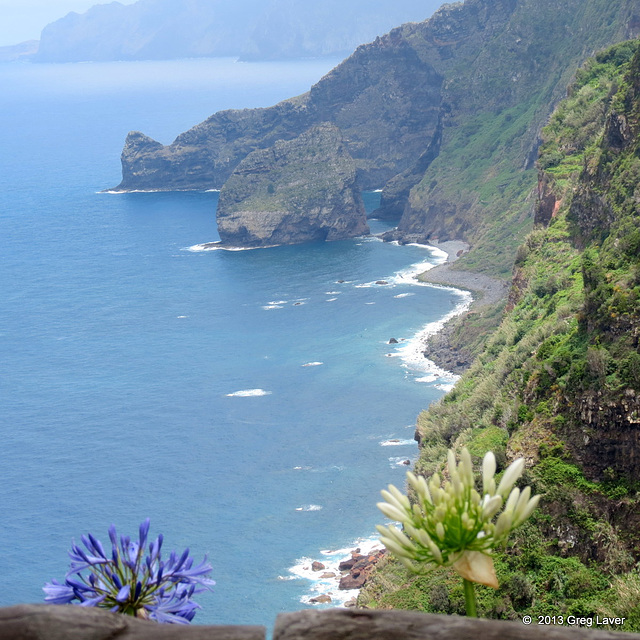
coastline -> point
(444, 348)
(336, 586)
(485, 289)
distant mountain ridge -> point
(250, 29)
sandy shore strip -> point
(486, 290)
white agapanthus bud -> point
(451, 524)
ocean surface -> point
(248, 402)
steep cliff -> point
(385, 101)
(300, 190)
(559, 381)
(446, 113)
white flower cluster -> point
(452, 524)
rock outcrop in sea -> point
(300, 190)
(445, 115)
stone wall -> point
(68, 622)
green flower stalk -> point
(451, 524)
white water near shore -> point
(326, 581)
(411, 352)
(132, 360)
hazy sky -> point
(24, 19)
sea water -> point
(248, 402)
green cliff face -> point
(445, 114)
(559, 381)
(299, 190)
(494, 103)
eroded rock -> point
(296, 191)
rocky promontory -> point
(300, 190)
(445, 115)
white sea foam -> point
(412, 351)
(396, 442)
(429, 378)
(400, 461)
(331, 299)
(332, 293)
(328, 585)
(312, 364)
(446, 387)
(404, 295)
(277, 302)
(272, 306)
(215, 246)
(310, 507)
(248, 393)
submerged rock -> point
(300, 190)
(321, 599)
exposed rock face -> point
(301, 190)
(384, 98)
(445, 113)
(360, 568)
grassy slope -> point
(485, 161)
(569, 336)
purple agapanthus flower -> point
(130, 582)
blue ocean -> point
(248, 402)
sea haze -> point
(247, 402)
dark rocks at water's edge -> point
(300, 190)
(439, 350)
(352, 573)
(359, 568)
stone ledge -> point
(70, 622)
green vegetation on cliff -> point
(480, 187)
(299, 190)
(559, 381)
(444, 114)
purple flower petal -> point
(57, 593)
(123, 594)
(165, 587)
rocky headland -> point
(300, 190)
(445, 114)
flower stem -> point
(470, 598)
